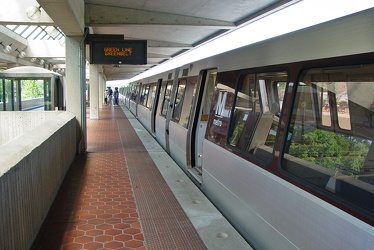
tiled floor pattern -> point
(98, 207)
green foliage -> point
(331, 150)
(31, 89)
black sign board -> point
(118, 52)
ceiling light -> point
(52, 31)
(33, 12)
(21, 54)
(6, 48)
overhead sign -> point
(118, 52)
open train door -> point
(201, 117)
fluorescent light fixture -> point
(6, 48)
(33, 12)
(21, 54)
(300, 15)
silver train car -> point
(277, 134)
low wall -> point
(16, 123)
(32, 168)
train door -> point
(17, 95)
(155, 95)
(47, 95)
(11, 95)
(161, 112)
(206, 88)
(2, 95)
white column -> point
(94, 92)
(76, 86)
(101, 90)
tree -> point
(32, 89)
(331, 150)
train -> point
(277, 134)
(47, 88)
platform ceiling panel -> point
(170, 27)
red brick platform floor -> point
(113, 197)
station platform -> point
(127, 193)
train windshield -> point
(331, 132)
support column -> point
(76, 87)
(94, 92)
(101, 89)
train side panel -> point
(276, 215)
(144, 116)
(264, 161)
(178, 142)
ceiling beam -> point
(14, 13)
(164, 44)
(97, 15)
(68, 15)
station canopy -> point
(32, 33)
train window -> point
(2, 95)
(255, 118)
(144, 95)
(339, 158)
(166, 99)
(178, 102)
(325, 107)
(134, 93)
(184, 100)
(342, 108)
(151, 96)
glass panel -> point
(8, 95)
(2, 96)
(28, 32)
(340, 158)
(179, 97)
(246, 107)
(184, 101)
(133, 93)
(16, 95)
(166, 100)
(256, 114)
(47, 95)
(20, 29)
(325, 107)
(344, 121)
(144, 95)
(152, 96)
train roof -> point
(27, 71)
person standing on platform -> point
(116, 95)
(106, 97)
(110, 95)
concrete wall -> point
(32, 167)
(16, 123)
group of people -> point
(111, 97)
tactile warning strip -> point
(165, 224)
